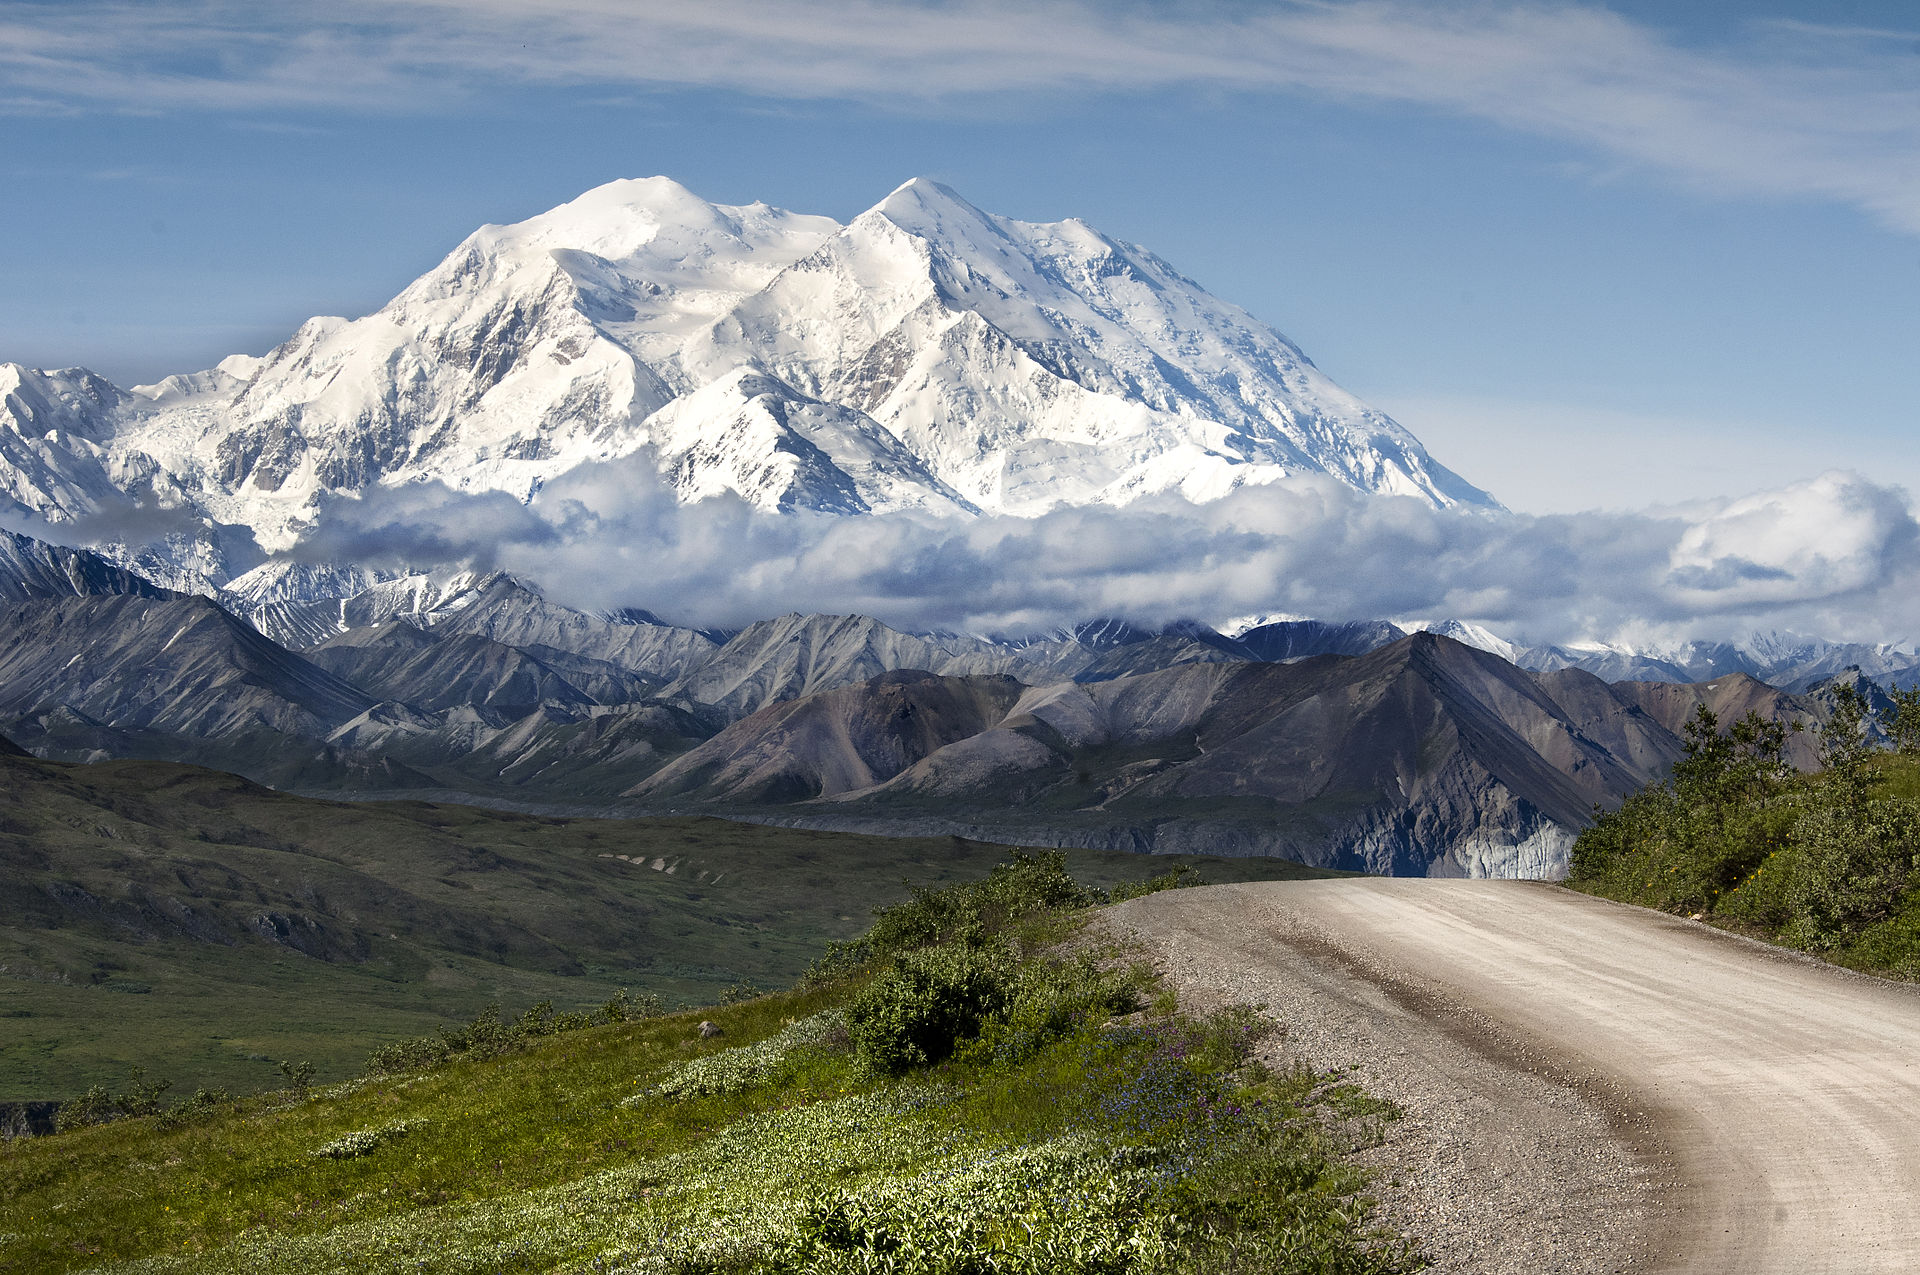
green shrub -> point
(203, 1103)
(1048, 1000)
(1818, 861)
(1178, 877)
(487, 1037)
(970, 912)
(1029, 885)
(1852, 865)
(1901, 720)
(926, 1003)
(622, 1008)
(1685, 844)
(100, 1105)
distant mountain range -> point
(926, 359)
(925, 356)
(1786, 660)
(1350, 745)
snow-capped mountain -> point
(32, 568)
(927, 355)
(1473, 635)
(1784, 660)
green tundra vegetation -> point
(1828, 862)
(979, 1083)
(208, 929)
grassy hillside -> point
(1828, 862)
(959, 1092)
(207, 929)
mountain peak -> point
(925, 191)
(614, 220)
(932, 210)
(656, 219)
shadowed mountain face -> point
(1301, 639)
(177, 664)
(430, 671)
(32, 568)
(1423, 757)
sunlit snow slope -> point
(927, 355)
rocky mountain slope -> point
(1423, 757)
(177, 664)
(431, 670)
(927, 355)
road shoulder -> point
(1504, 1163)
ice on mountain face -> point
(927, 356)
(520, 356)
(754, 435)
(1036, 365)
(54, 427)
(285, 580)
(219, 382)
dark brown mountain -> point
(837, 741)
(1425, 756)
(1730, 698)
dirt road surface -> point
(1589, 1086)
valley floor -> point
(1590, 1086)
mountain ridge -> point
(1353, 745)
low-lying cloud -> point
(1836, 556)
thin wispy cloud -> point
(1830, 113)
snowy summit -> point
(927, 355)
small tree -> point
(1844, 748)
(1901, 720)
(1741, 766)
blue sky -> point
(1593, 256)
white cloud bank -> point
(1837, 556)
(1787, 109)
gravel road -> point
(1589, 1087)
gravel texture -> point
(1502, 1163)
